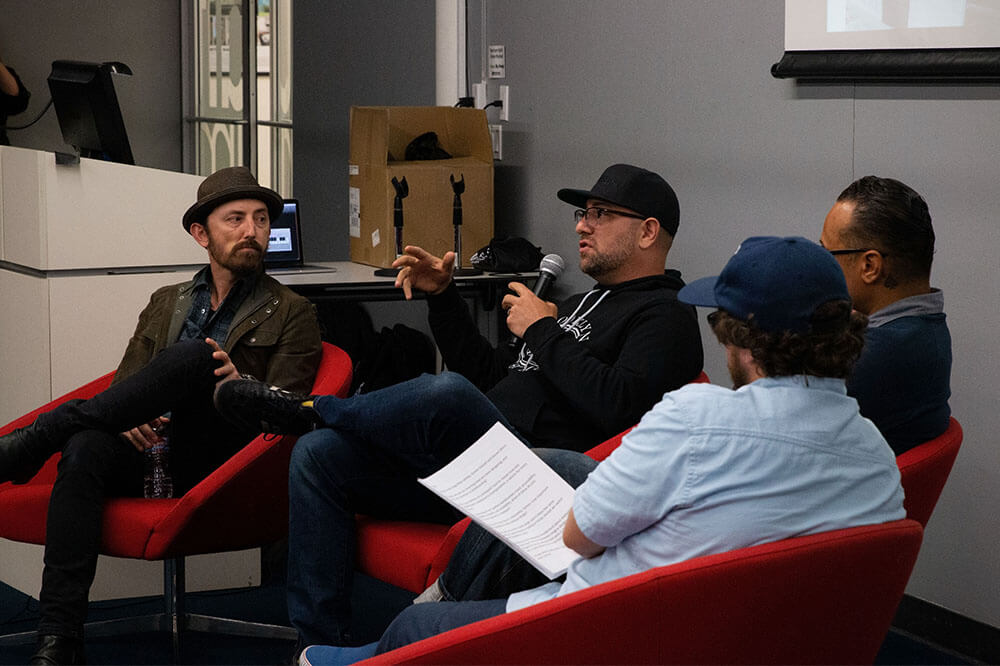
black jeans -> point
(97, 463)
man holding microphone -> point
(589, 367)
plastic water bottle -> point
(157, 481)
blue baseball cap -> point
(778, 282)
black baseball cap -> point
(634, 188)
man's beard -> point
(237, 262)
(599, 264)
(738, 374)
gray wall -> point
(679, 86)
(683, 87)
(143, 35)
(371, 53)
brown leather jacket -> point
(274, 335)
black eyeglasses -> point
(595, 215)
(857, 250)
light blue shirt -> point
(710, 469)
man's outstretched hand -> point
(421, 270)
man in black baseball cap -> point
(582, 370)
(626, 223)
(634, 188)
(229, 318)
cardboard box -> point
(379, 136)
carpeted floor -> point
(377, 604)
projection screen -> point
(891, 39)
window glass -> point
(236, 123)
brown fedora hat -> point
(230, 184)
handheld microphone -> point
(549, 270)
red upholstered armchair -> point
(242, 504)
(820, 599)
(412, 555)
(924, 470)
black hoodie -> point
(575, 382)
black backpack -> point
(380, 359)
(394, 355)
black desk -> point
(349, 281)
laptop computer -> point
(284, 249)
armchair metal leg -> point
(174, 619)
(178, 620)
(245, 628)
(173, 599)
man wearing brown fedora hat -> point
(229, 319)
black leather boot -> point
(254, 406)
(22, 454)
(24, 451)
(58, 650)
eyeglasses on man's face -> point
(857, 250)
(596, 215)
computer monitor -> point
(284, 248)
(87, 107)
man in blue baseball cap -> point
(708, 469)
(777, 289)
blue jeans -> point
(367, 460)
(424, 620)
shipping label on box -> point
(380, 135)
(354, 212)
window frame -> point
(247, 148)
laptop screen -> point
(285, 245)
